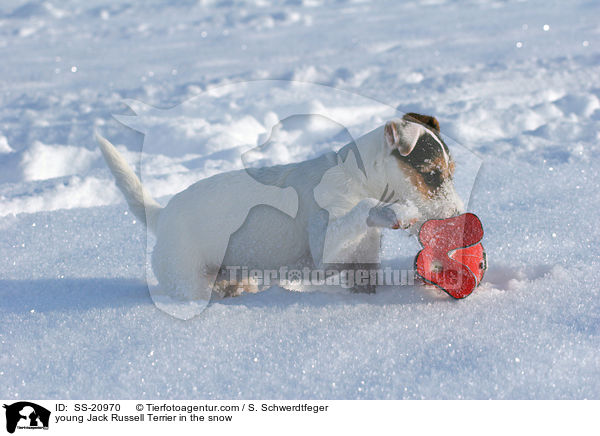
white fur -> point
(214, 222)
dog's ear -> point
(402, 135)
(425, 119)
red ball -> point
(453, 257)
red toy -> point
(452, 258)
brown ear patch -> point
(423, 119)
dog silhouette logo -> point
(26, 415)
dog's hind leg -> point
(235, 288)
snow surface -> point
(515, 82)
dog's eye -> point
(433, 178)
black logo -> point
(26, 415)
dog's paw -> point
(393, 216)
(407, 215)
(229, 288)
(382, 216)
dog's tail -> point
(141, 203)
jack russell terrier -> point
(324, 212)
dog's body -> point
(325, 211)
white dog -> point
(326, 211)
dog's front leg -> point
(352, 241)
(343, 237)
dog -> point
(324, 212)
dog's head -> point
(414, 151)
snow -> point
(76, 317)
